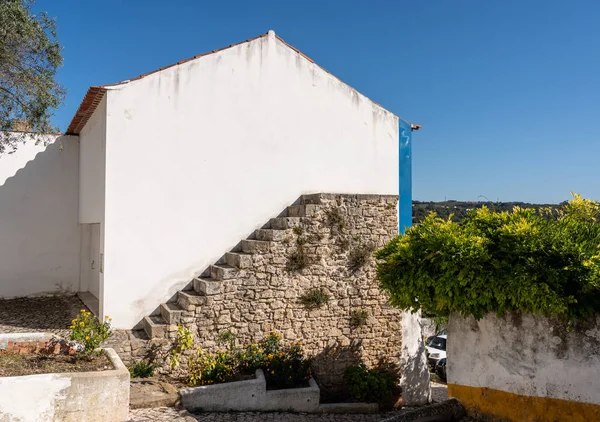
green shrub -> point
(208, 368)
(141, 369)
(89, 330)
(183, 342)
(284, 367)
(251, 358)
(358, 317)
(368, 385)
(287, 368)
(540, 261)
(314, 298)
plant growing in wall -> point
(183, 342)
(314, 298)
(543, 261)
(300, 257)
(359, 255)
(358, 318)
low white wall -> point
(39, 234)
(201, 154)
(251, 395)
(526, 355)
(67, 397)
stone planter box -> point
(67, 397)
(251, 395)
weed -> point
(358, 318)
(141, 369)
(184, 342)
(315, 298)
(360, 255)
(298, 259)
(227, 338)
(335, 220)
(298, 230)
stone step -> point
(271, 235)
(304, 210)
(314, 198)
(223, 272)
(255, 246)
(190, 299)
(171, 313)
(207, 286)
(238, 259)
(282, 223)
(156, 327)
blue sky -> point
(508, 92)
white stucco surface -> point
(39, 234)
(526, 355)
(92, 143)
(201, 154)
(99, 396)
(414, 380)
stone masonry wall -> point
(330, 248)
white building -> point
(158, 176)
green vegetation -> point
(141, 369)
(359, 255)
(544, 261)
(314, 298)
(458, 210)
(283, 366)
(358, 318)
(29, 57)
(89, 330)
(368, 385)
(183, 342)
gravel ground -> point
(34, 314)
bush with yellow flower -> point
(283, 366)
(89, 330)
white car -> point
(436, 348)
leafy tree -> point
(29, 57)
(544, 261)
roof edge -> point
(95, 94)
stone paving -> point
(34, 314)
(439, 393)
(163, 414)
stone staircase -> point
(232, 265)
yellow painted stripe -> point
(518, 408)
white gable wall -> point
(201, 154)
(39, 234)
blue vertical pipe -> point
(405, 177)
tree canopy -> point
(30, 54)
(544, 261)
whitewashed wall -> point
(526, 355)
(201, 154)
(39, 234)
(92, 141)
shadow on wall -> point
(39, 232)
(334, 360)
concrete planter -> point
(66, 397)
(251, 395)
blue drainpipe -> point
(405, 176)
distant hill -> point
(459, 208)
